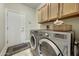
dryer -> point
(54, 43)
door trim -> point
(6, 10)
(3, 52)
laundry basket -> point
(62, 28)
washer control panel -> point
(43, 34)
(61, 36)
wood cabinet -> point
(44, 12)
(39, 15)
(47, 12)
(53, 10)
(69, 9)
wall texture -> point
(73, 21)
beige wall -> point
(2, 26)
(30, 16)
(73, 21)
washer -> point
(35, 36)
(52, 43)
(34, 42)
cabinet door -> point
(39, 15)
(53, 10)
(69, 8)
(44, 12)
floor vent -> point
(17, 48)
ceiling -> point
(32, 5)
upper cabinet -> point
(44, 13)
(53, 10)
(48, 12)
(39, 15)
(69, 9)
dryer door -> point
(33, 41)
(48, 48)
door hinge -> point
(7, 41)
(7, 28)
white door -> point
(15, 28)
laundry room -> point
(66, 18)
(39, 29)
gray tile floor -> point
(26, 52)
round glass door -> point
(33, 42)
(48, 48)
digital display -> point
(61, 36)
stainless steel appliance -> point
(34, 42)
(53, 43)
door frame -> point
(3, 52)
(6, 23)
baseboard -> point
(3, 51)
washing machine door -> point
(33, 42)
(48, 48)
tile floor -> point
(26, 52)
